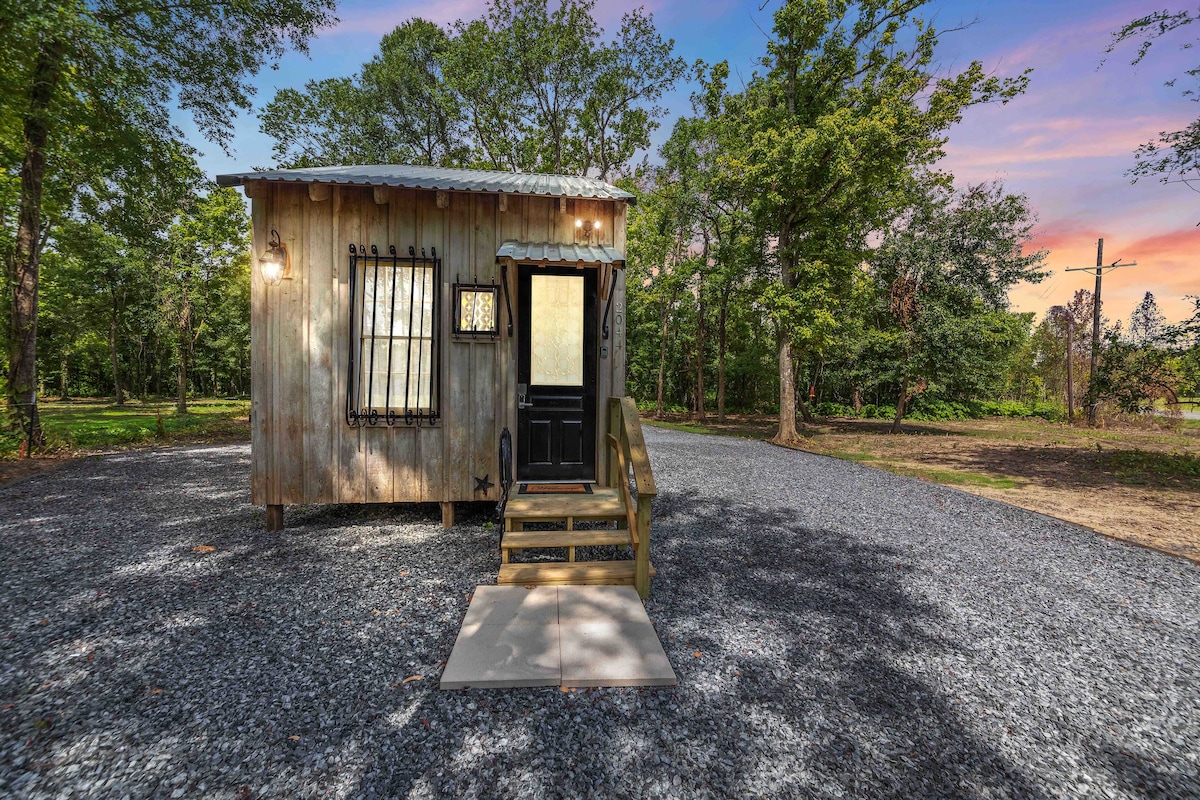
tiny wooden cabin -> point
(404, 318)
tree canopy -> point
(525, 88)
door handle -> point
(521, 402)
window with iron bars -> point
(395, 350)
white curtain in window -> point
(403, 328)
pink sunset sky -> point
(1066, 144)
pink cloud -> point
(1035, 141)
(1167, 266)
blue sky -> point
(1066, 144)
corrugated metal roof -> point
(566, 253)
(462, 180)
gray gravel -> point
(837, 631)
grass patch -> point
(692, 428)
(1140, 466)
(847, 455)
(98, 425)
(950, 477)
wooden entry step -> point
(600, 505)
(557, 573)
(521, 540)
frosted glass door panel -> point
(556, 330)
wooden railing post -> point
(641, 566)
(616, 428)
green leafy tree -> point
(1134, 377)
(1146, 322)
(525, 88)
(205, 246)
(399, 109)
(108, 72)
(848, 108)
(945, 275)
(1175, 155)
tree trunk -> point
(856, 399)
(116, 372)
(181, 382)
(787, 374)
(185, 341)
(900, 405)
(662, 362)
(805, 412)
(23, 269)
(787, 394)
(700, 364)
(721, 347)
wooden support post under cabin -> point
(274, 519)
(447, 515)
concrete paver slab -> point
(556, 636)
(497, 605)
(611, 653)
(600, 603)
(504, 655)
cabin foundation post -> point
(447, 515)
(274, 519)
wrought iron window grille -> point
(412, 326)
(476, 309)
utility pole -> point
(1099, 268)
(1070, 367)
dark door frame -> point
(556, 410)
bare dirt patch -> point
(1139, 482)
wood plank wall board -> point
(259, 336)
(617, 323)
(291, 356)
(352, 478)
(511, 226)
(458, 353)
(432, 232)
(406, 483)
(318, 395)
(485, 436)
(377, 439)
(337, 343)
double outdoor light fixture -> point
(587, 226)
(274, 265)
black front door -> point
(556, 374)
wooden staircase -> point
(624, 519)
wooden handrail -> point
(630, 517)
(625, 439)
(638, 456)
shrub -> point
(834, 410)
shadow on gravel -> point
(823, 660)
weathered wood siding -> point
(302, 449)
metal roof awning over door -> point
(551, 253)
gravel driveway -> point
(838, 631)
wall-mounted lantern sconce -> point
(275, 264)
(587, 228)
